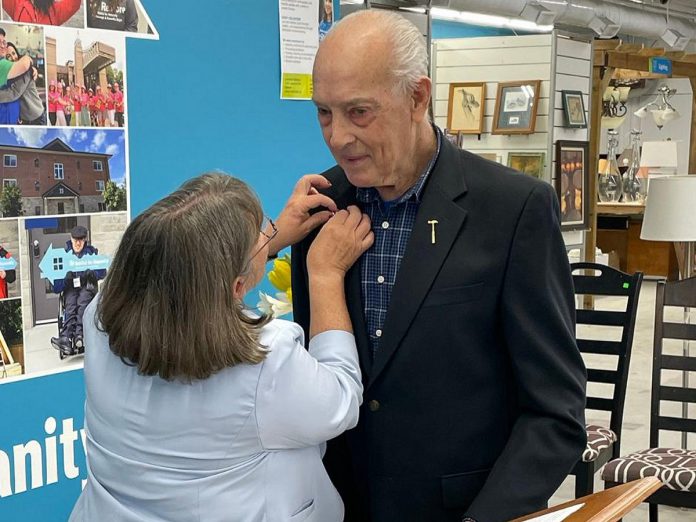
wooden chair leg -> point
(584, 482)
(652, 512)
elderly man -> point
(79, 289)
(463, 308)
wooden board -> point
(608, 505)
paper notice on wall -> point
(299, 40)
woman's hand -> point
(339, 244)
(295, 220)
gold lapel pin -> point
(432, 224)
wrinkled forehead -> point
(352, 76)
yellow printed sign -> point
(296, 86)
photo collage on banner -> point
(63, 170)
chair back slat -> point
(608, 281)
(677, 424)
(678, 362)
(677, 394)
(599, 347)
(602, 376)
(600, 403)
(681, 294)
(678, 331)
(601, 317)
(603, 281)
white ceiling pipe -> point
(506, 8)
(634, 21)
(605, 19)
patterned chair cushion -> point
(676, 468)
(598, 438)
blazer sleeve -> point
(538, 322)
(305, 397)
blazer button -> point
(373, 405)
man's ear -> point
(238, 288)
(420, 99)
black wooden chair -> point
(675, 467)
(603, 442)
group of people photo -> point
(79, 106)
(116, 15)
(433, 344)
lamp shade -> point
(659, 154)
(669, 210)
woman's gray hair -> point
(409, 58)
(168, 301)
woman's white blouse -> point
(243, 445)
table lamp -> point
(660, 157)
(669, 214)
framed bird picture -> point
(466, 107)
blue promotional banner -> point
(56, 263)
(66, 175)
(42, 458)
(181, 118)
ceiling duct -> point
(605, 19)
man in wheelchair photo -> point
(77, 290)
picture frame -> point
(529, 163)
(574, 109)
(572, 183)
(491, 156)
(466, 107)
(455, 138)
(516, 107)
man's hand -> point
(295, 220)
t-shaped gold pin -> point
(432, 224)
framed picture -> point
(530, 163)
(491, 156)
(465, 107)
(574, 109)
(516, 107)
(572, 182)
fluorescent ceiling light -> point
(470, 18)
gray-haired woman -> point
(197, 409)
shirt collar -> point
(370, 194)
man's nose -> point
(341, 133)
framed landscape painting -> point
(530, 163)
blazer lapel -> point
(344, 194)
(423, 258)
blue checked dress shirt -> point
(392, 223)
